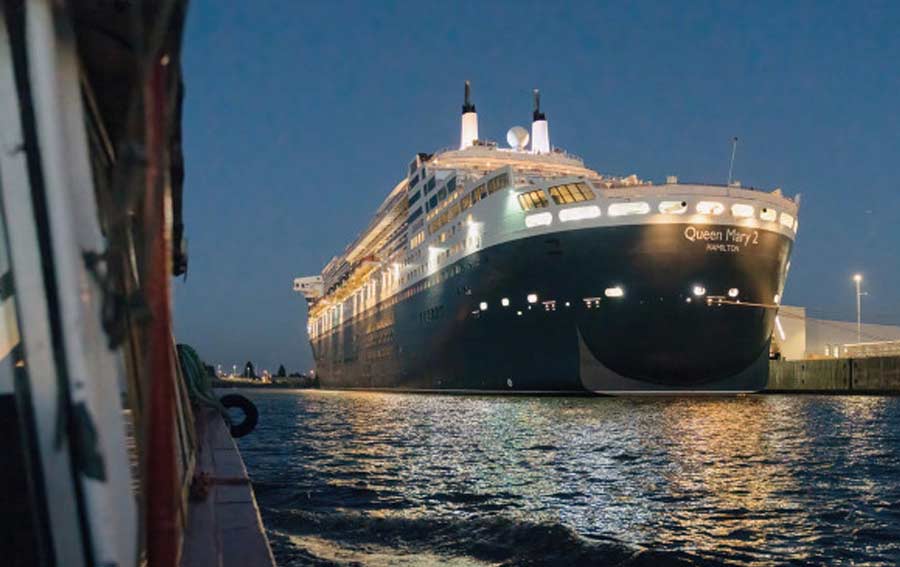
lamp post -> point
(858, 279)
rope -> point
(198, 381)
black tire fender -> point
(251, 414)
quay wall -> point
(868, 375)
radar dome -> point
(517, 137)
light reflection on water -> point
(750, 479)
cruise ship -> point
(520, 270)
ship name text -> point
(728, 240)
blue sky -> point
(300, 117)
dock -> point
(864, 375)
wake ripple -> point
(495, 540)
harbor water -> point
(346, 478)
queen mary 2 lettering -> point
(520, 270)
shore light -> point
(857, 278)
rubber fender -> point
(251, 414)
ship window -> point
(466, 201)
(579, 213)
(767, 214)
(413, 181)
(571, 193)
(451, 184)
(742, 210)
(533, 200)
(538, 219)
(633, 208)
(432, 202)
(480, 192)
(498, 183)
(673, 207)
(415, 214)
(442, 193)
(414, 198)
(430, 185)
(787, 220)
(710, 208)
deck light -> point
(614, 292)
(733, 292)
(504, 302)
(699, 290)
(483, 305)
(532, 298)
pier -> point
(864, 375)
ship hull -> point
(659, 337)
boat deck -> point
(223, 525)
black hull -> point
(659, 337)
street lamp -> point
(858, 279)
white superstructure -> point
(457, 202)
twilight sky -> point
(301, 116)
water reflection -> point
(753, 479)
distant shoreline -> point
(281, 384)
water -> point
(395, 479)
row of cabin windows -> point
(533, 200)
(561, 194)
(321, 325)
(445, 191)
(444, 218)
(414, 215)
(431, 314)
(414, 198)
(571, 193)
(441, 206)
(485, 189)
(469, 199)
